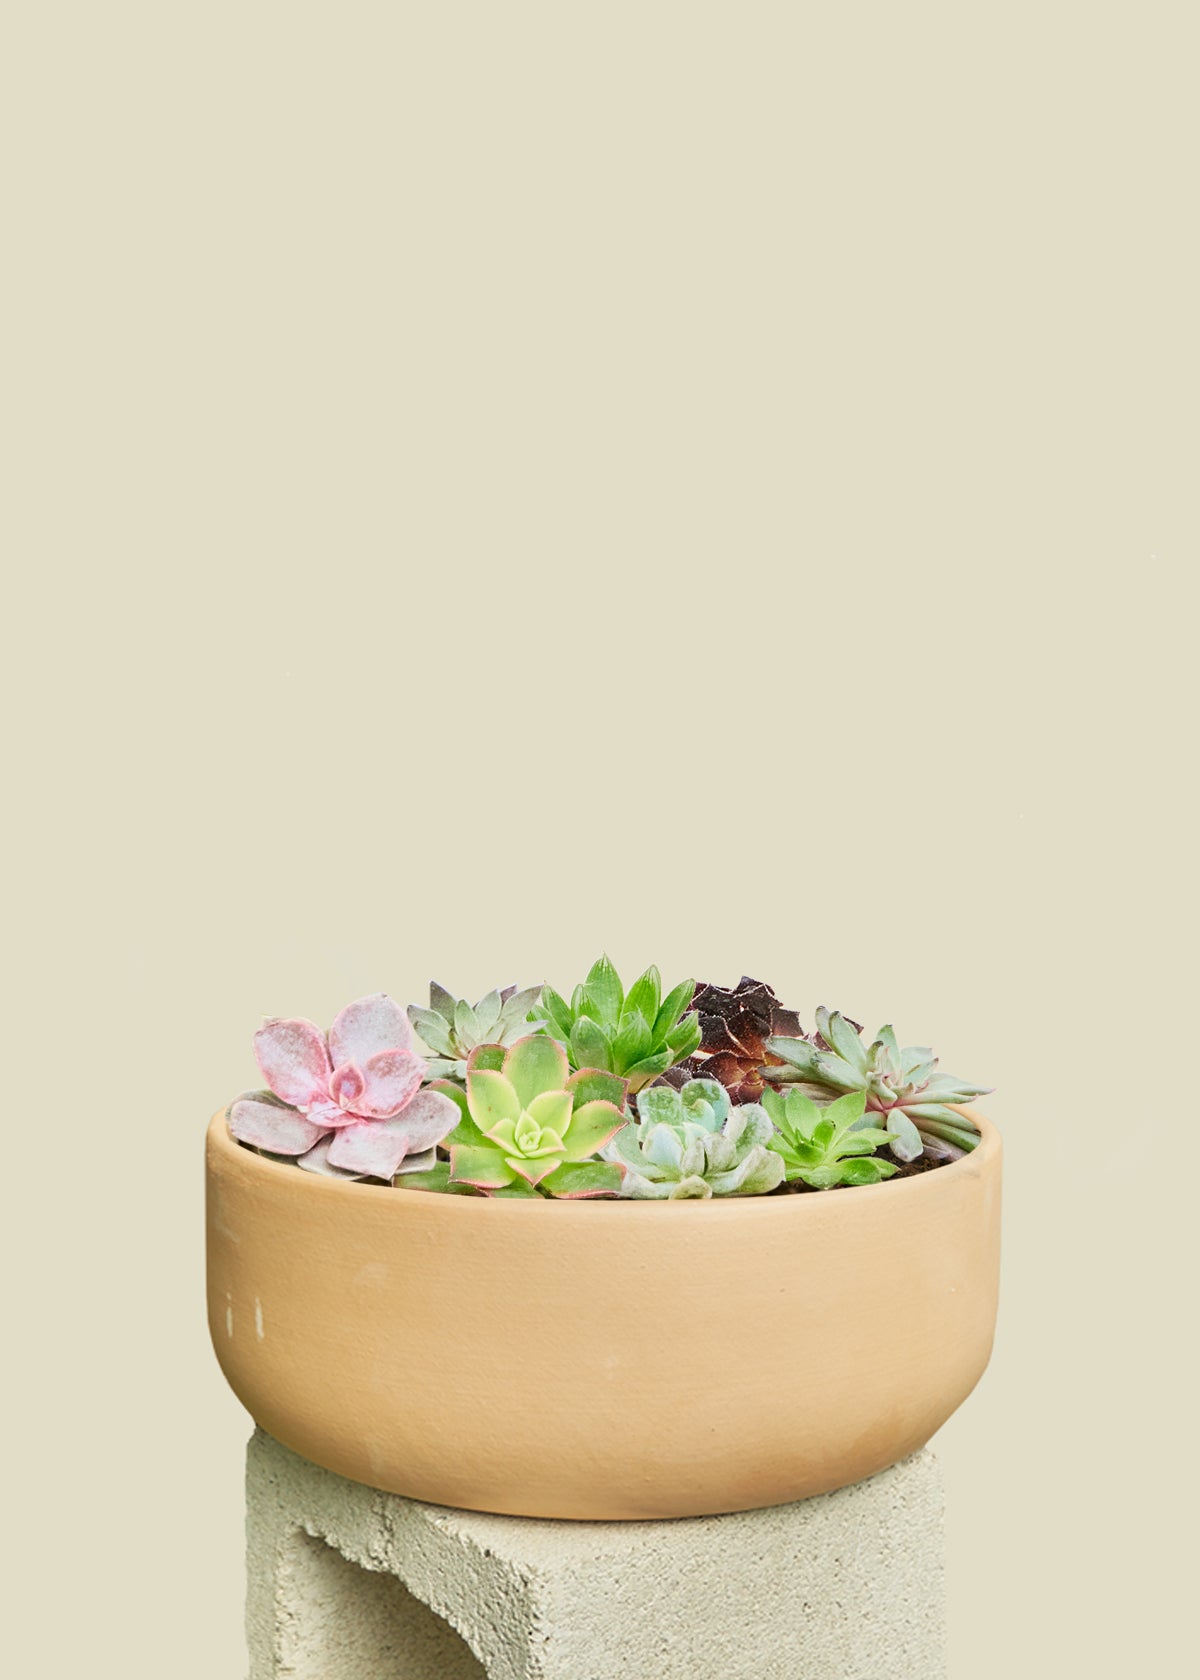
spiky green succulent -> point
(637, 1034)
(691, 1142)
(826, 1147)
(901, 1087)
(530, 1127)
(452, 1028)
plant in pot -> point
(496, 1222)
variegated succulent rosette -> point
(641, 1095)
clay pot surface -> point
(601, 1360)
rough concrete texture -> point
(347, 1583)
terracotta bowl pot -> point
(601, 1359)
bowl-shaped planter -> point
(601, 1359)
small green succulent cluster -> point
(902, 1086)
(692, 1143)
(826, 1147)
(453, 1028)
(637, 1034)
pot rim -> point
(221, 1143)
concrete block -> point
(347, 1583)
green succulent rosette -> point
(531, 1127)
(637, 1034)
(826, 1147)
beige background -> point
(489, 482)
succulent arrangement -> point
(706, 1091)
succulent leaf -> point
(271, 1126)
(846, 1042)
(589, 1046)
(489, 1056)
(366, 1027)
(801, 1114)
(756, 1174)
(887, 1037)
(533, 1168)
(650, 1067)
(483, 1167)
(552, 1109)
(486, 1013)
(684, 1037)
(557, 1011)
(436, 1177)
(605, 991)
(466, 1023)
(378, 1147)
(491, 1098)
(574, 1180)
(867, 1169)
(633, 1039)
(705, 1101)
(591, 1126)
(593, 1084)
(796, 1053)
(837, 1073)
(432, 1029)
(535, 1064)
(672, 1007)
(907, 1142)
(513, 1018)
(316, 1160)
(645, 995)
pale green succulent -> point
(901, 1088)
(691, 1142)
(530, 1127)
(826, 1147)
(452, 1028)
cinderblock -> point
(347, 1583)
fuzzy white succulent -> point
(691, 1142)
(451, 1027)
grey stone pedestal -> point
(346, 1583)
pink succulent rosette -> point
(354, 1103)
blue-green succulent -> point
(692, 1142)
(901, 1087)
(453, 1028)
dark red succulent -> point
(736, 1023)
